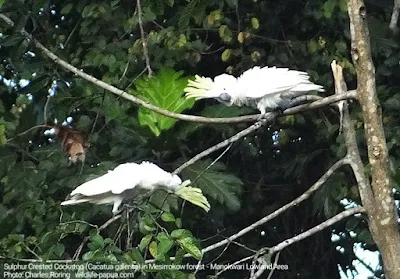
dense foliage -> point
(256, 176)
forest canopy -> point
(88, 85)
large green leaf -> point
(216, 182)
(164, 90)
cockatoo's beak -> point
(199, 88)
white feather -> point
(265, 88)
(125, 181)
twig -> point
(274, 266)
(32, 252)
(24, 152)
(226, 142)
(79, 222)
(102, 227)
(213, 162)
(45, 108)
(144, 41)
(27, 131)
(185, 117)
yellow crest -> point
(198, 88)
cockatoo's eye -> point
(225, 97)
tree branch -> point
(320, 227)
(185, 117)
(226, 142)
(395, 16)
(282, 245)
(384, 218)
(276, 213)
(353, 153)
(144, 40)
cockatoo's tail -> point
(136, 181)
(198, 88)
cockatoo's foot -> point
(262, 116)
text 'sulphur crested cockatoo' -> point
(267, 88)
(133, 180)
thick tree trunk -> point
(383, 217)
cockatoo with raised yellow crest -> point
(131, 180)
(264, 88)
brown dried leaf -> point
(72, 141)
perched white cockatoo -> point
(266, 88)
(131, 180)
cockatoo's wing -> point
(122, 178)
(126, 177)
(259, 82)
(153, 175)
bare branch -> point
(395, 16)
(144, 40)
(274, 266)
(226, 142)
(234, 264)
(276, 213)
(320, 227)
(30, 129)
(248, 118)
(351, 143)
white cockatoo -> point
(266, 88)
(131, 180)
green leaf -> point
(216, 182)
(153, 249)
(168, 217)
(145, 242)
(3, 212)
(58, 249)
(84, 123)
(254, 23)
(178, 222)
(97, 240)
(164, 90)
(329, 6)
(3, 139)
(225, 33)
(189, 245)
(67, 8)
(137, 256)
(226, 54)
(181, 233)
(189, 11)
(164, 245)
(170, 2)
